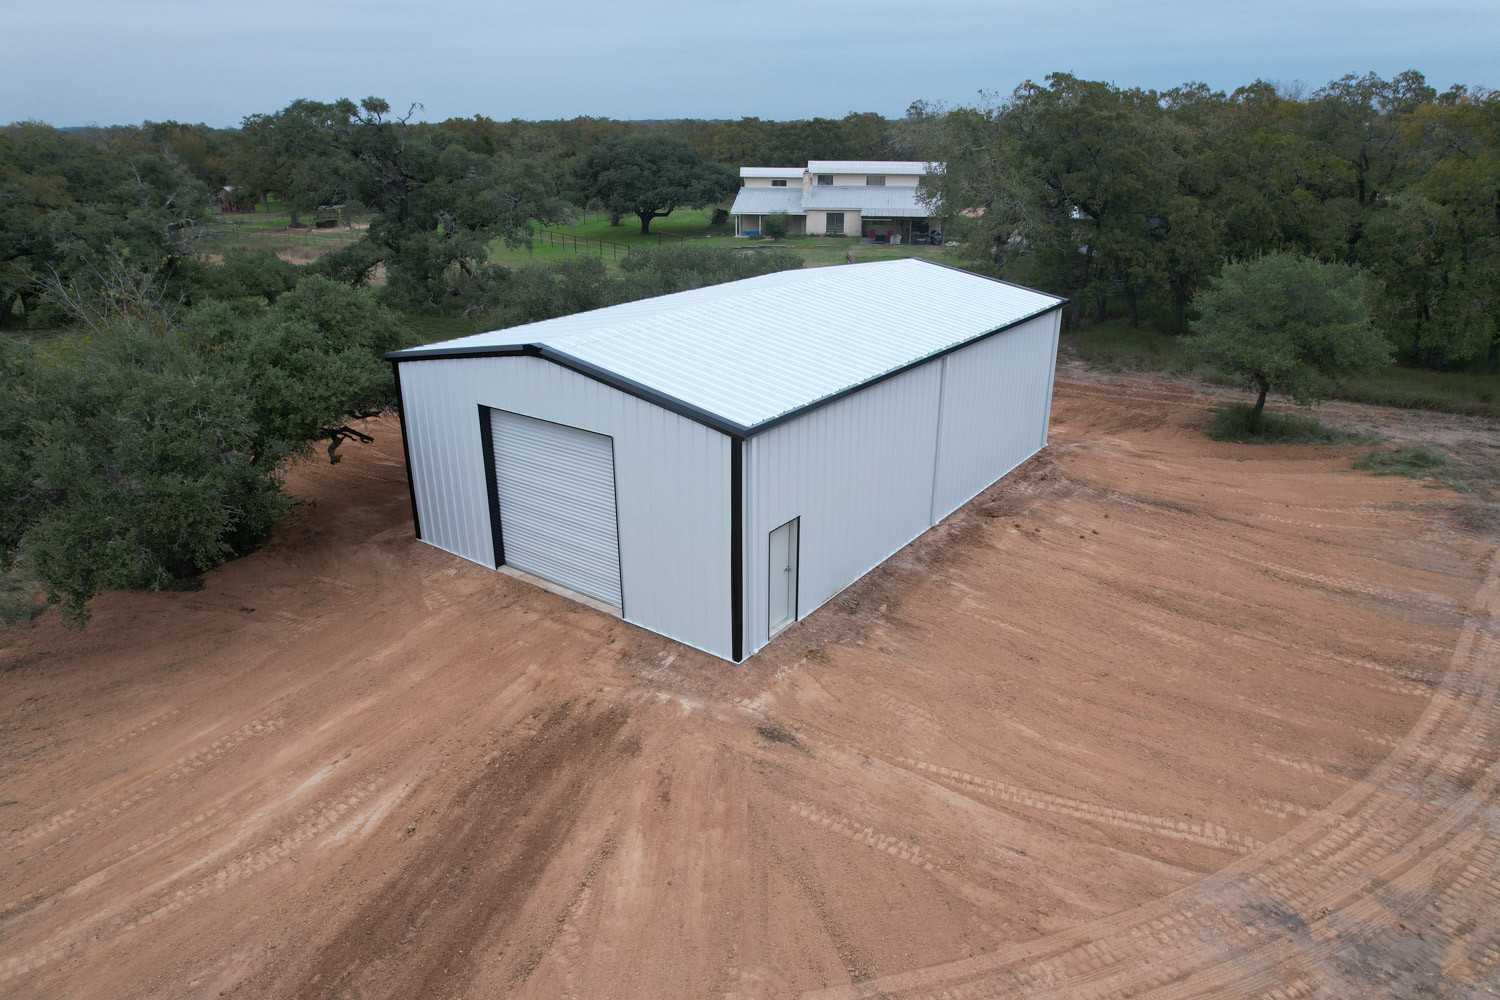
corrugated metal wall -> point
(871, 472)
(996, 400)
(858, 472)
(672, 480)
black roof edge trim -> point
(987, 277)
(650, 395)
(477, 351)
(697, 413)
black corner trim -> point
(411, 490)
(737, 548)
(491, 483)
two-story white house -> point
(876, 200)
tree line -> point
(1140, 197)
(148, 416)
(153, 396)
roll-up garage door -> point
(556, 487)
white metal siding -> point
(858, 472)
(872, 471)
(556, 491)
(671, 474)
(996, 401)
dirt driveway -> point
(1154, 716)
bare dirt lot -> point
(1153, 716)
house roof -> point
(746, 355)
(765, 200)
(888, 201)
(873, 167)
(771, 172)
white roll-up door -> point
(556, 488)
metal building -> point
(715, 464)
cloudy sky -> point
(74, 62)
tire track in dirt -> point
(167, 900)
(856, 830)
(136, 733)
(475, 872)
(1410, 845)
(1204, 832)
(122, 801)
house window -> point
(779, 183)
(825, 180)
(875, 180)
(835, 225)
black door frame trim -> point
(492, 488)
(411, 490)
(491, 482)
(796, 579)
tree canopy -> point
(437, 203)
(1104, 193)
(650, 176)
(1288, 324)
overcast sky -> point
(75, 62)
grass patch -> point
(1233, 423)
(1414, 463)
(1476, 393)
(1115, 345)
(426, 328)
(21, 602)
(692, 225)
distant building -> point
(224, 200)
(877, 200)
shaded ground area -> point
(1153, 716)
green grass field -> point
(267, 230)
(690, 225)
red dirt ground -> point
(1153, 716)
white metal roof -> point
(747, 352)
(872, 167)
(892, 201)
(765, 200)
(771, 171)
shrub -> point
(313, 358)
(1414, 463)
(720, 217)
(535, 292)
(257, 274)
(1238, 423)
(676, 269)
(776, 225)
(136, 466)
(139, 457)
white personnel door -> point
(556, 492)
(783, 576)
